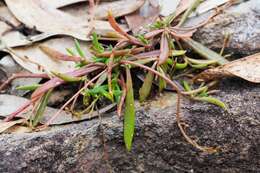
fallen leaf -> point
(61, 3)
(16, 39)
(168, 6)
(146, 15)
(247, 68)
(6, 125)
(119, 8)
(183, 5)
(64, 3)
(10, 103)
(207, 6)
(7, 17)
(18, 129)
(36, 57)
(42, 17)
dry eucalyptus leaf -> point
(6, 125)
(15, 39)
(6, 15)
(44, 18)
(34, 60)
(247, 68)
(61, 3)
(208, 5)
(10, 103)
(168, 6)
(18, 129)
(64, 3)
(146, 15)
(118, 8)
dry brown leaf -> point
(61, 3)
(119, 8)
(183, 5)
(247, 68)
(208, 5)
(18, 129)
(16, 39)
(146, 15)
(168, 6)
(10, 103)
(64, 3)
(44, 18)
(6, 125)
(6, 15)
(37, 61)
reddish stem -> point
(122, 99)
(22, 75)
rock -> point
(158, 144)
(242, 21)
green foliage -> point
(129, 116)
(142, 39)
(40, 108)
(96, 46)
(28, 87)
(79, 50)
(146, 87)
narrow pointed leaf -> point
(212, 100)
(56, 55)
(79, 50)
(146, 87)
(129, 117)
(205, 52)
(28, 87)
(164, 49)
(68, 78)
(41, 108)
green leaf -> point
(41, 108)
(186, 86)
(162, 82)
(178, 52)
(142, 39)
(212, 100)
(146, 87)
(68, 78)
(79, 50)
(70, 51)
(192, 7)
(205, 52)
(129, 116)
(28, 87)
(96, 46)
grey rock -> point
(242, 21)
(94, 146)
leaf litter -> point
(104, 72)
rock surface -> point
(158, 144)
(242, 22)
